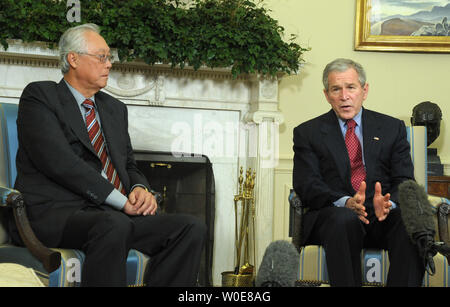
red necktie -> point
(98, 142)
(355, 155)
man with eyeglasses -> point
(77, 173)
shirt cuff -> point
(341, 201)
(394, 205)
(116, 200)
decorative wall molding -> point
(259, 116)
(38, 54)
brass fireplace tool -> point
(243, 272)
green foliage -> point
(31, 20)
(214, 33)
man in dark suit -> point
(77, 173)
(348, 164)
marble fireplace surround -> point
(232, 121)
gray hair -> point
(341, 65)
(73, 40)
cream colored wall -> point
(398, 81)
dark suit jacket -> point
(58, 170)
(322, 168)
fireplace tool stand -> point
(243, 274)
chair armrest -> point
(296, 219)
(441, 207)
(443, 229)
(442, 217)
(51, 260)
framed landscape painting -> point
(403, 25)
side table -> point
(439, 186)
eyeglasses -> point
(101, 57)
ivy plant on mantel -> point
(237, 34)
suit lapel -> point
(336, 144)
(372, 142)
(108, 124)
(114, 142)
(73, 115)
(107, 121)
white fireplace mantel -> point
(232, 121)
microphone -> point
(279, 266)
(417, 215)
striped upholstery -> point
(313, 267)
(375, 262)
(417, 138)
(69, 273)
(442, 276)
(71, 260)
(375, 267)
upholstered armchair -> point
(375, 262)
(55, 267)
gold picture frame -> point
(373, 33)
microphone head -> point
(416, 210)
(279, 266)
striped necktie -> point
(355, 154)
(99, 145)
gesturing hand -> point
(356, 203)
(381, 204)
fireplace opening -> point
(186, 183)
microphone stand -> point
(428, 248)
(425, 241)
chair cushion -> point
(442, 276)
(16, 275)
(69, 273)
(313, 268)
(20, 255)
